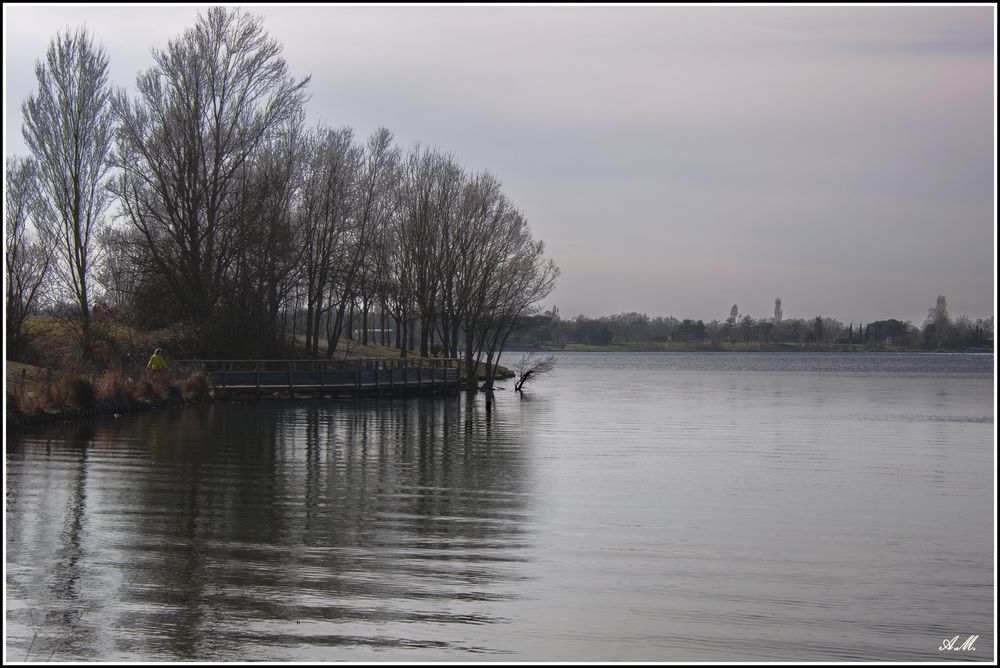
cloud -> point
(737, 151)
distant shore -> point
(679, 347)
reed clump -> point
(110, 392)
(115, 389)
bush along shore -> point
(44, 398)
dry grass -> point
(114, 388)
(197, 387)
(111, 391)
(58, 378)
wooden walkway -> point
(325, 377)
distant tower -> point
(777, 310)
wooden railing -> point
(328, 376)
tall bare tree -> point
(259, 284)
(68, 129)
(376, 172)
(326, 223)
(27, 254)
(500, 273)
(528, 277)
(202, 112)
(377, 178)
(420, 235)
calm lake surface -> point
(631, 507)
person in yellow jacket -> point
(156, 361)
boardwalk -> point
(324, 377)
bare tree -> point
(518, 278)
(421, 235)
(938, 326)
(483, 241)
(330, 174)
(68, 128)
(259, 284)
(27, 255)
(395, 284)
(374, 168)
(203, 111)
(528, 279)
(530, 368)
(121, 272)
(734, 314)
(377, 177)
(470, 268)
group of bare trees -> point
(204, 157)
(409, 241)
(206, 200)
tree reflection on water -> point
(274, 529)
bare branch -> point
(529, 368)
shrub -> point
(80, 391)
(114, 389)
(30, 399)
(159, 386)
(197, 387)
(147, 391)
(172, 392)
(13, 403)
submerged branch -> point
(530, 367)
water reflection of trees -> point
(45, 531)
(301, 527)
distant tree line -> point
(206, 203)
(938, 332)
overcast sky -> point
(675, 160)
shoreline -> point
(739, 348)
(55, 416)
(15, 419)
(173, 396)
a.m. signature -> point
(951, 644)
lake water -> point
(630, 507)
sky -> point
(675, 160)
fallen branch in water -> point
(531, 367)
